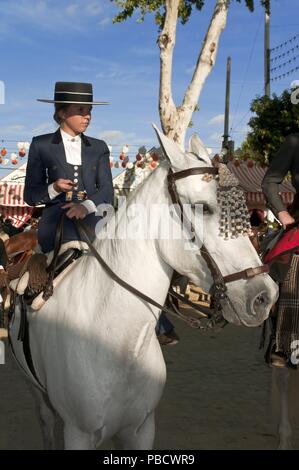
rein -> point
(193, 322)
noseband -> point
(219, 287)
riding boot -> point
(272, 321)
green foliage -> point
(275, 118)
(129, 7)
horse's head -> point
(245, 298)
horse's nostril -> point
(260, 302)
(260, 299)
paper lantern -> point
(14, 158)
(22, 152)
(124, 164)
(155, 157)
(3, 152)
(153, 165)
(130, 165)
(5, 161)
(122, 156)
(125, 149)
(139, 157)
(250, 163)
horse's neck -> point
(137, 261)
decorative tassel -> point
(234, 216)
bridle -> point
(219, 287)
(218, 290)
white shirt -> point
(72, 147)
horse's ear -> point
(172, 151)
(196, 146)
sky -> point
(44, 41)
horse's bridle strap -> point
(189, 172)
(247, 273)
(219, 287)
(171, 179)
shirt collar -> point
(69, 138)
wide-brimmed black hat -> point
(73, 93)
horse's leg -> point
(75, 439)
(282, 377)
(140, 438)
(47, 418)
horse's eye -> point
(206, 209)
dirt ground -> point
(217, 396)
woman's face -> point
(76, 117)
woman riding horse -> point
(70, 173)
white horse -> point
(93, 343)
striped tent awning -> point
(12, 194)
(12, 204)
(250, 176)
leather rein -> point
(219, 287)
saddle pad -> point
(289, 241)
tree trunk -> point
(175, 120)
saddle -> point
(34, 275)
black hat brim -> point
(74, 102)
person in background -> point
(286, 329)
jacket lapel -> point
(59, 153)
(86, 160)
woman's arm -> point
(281, 163)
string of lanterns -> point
(280, 58)
(143, 159)
(236, 162)
(14, 157)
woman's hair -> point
(59, 107)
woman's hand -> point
(63, 186)
(75, 210)
(285, 218)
